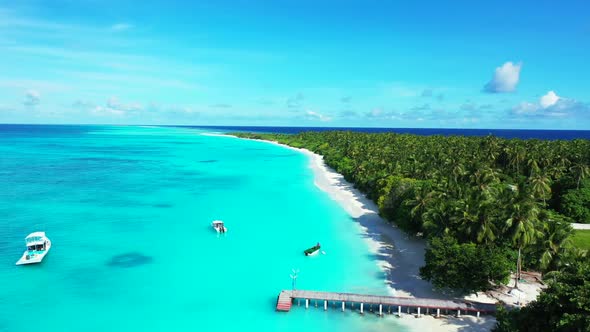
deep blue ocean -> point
(504, 133)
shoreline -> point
(399, 255)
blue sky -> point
(454, 64)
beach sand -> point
(400, 255)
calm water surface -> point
(129, 209)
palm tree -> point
(556, 240)
(492, 152)
(473, 215)
(534, 166)
(541, 186)
(436, 218)
(521, 226)
(581, 171)
(486, 230)
(518, 155)
(420, 203)
(484, 177)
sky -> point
(403, 64)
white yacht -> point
(219, 226)
(38, 246)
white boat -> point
(219, 226)
(38, 246)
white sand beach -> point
(401, 255)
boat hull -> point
(36, 257)
(312, 251)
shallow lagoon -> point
(129, 209)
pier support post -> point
(437, 313)
(399, 311)
(458, 312)
(362, 304)
(316, 303)
(408, 310)
(381, 310)
(427, 311)
(343, 304)
(325, 305)
(299, 302)
(306, 303)
(418, 311)
(478, 314)
(371, 308)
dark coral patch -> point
(163, 205)
(130, 259)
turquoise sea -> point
(129, 210)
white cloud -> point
(106, 111)
(505, 78)
(525, 108)
(549, 99)
(375, 113)
(114, 103)
(115, 107)
(121, 27)
(380, 114)
(317, 116)
(550, 106)
(32, 98)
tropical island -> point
(489, 208)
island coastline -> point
(399, 255)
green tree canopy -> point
(466, 267)
(575, 203)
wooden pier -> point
(284, 302)
(382, 304)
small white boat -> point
(38, 246)
(219, 226)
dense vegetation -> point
(563, 306)
(465, 266)
(511, 196)
(576, 203)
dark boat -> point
(313, 250)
